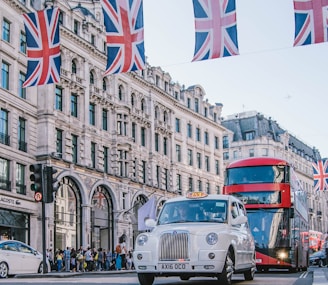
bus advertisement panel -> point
(276, 207)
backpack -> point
(118, 248)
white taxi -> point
(197, 235)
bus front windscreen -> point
(269, 227)
(257, 174)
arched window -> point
(133, 99)
(73, 66)
(156, 112)
(104, 84)
(120, 93)
(92, 78)
(143, 106)
(165, 118)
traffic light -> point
(37, 181)
(51, 184)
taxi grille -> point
(173, 246)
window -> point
(190, 162)
(74, 105)
(216, 142)
(74, 148)
(165, 117)
(133, 131)
(165, 146)
(217, 167)
(92, 78)
(205, 112)
(207, 163)
(4, 137)
(198, 134)
(74, 67)
(5, 183)
(133, 99)
(179, 184)
(22, 145)
(225, 155)
(76, 27)
(93, 39)
(188, 103)
(22, 42)
(104, 119)
(122, 124)
(20, 179)
(6, 30)
(190, 184)
(92, 114)
(105, 159)
(225, 142)
(207, 188)
(177, 125)
(265, 152)
(144, 171)
(104, 84)
(59, 142)
(178, 152)
(21, 90)
(200, 186)
(206, 138)
(166, 179)
(143, 106)
(59, 99)
(5, 75)
(249, 136)
(196, 105)
(199, 160)
(189, 130)
(143, 136)
(120, 93)
(156, 142)
(251, 152)
(93, 155)
(158, 176)
(235, 154)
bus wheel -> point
(146, 279)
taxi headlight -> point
(142, 240)
(212, 238)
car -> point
(17, 257)
(318, 258)
(210, 238)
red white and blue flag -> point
(123, 20)
(320, 175)
(43, 47)
(311, 18)
(215, 29)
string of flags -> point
(215, 24)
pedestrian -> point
(67, 257)
(59, 258)
(108, 259)
(73, 260)
(79, 260)
(326, 250)
(88, 259)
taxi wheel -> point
(226, 274)
(249, 274)
(3, 270)
(145, 279)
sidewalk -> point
(320, 276)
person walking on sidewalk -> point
(326, 249)
(67, 256)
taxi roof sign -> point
(195, 195)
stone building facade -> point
(253, 134)
(115, 141)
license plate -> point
(173, 266)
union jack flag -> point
(43, 47)
(311, 19)
(320, 175)
(124, 35)
(215, 29)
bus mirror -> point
(291, 213)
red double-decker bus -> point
(277, 210)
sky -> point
(288, 84)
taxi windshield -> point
(190, 211)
